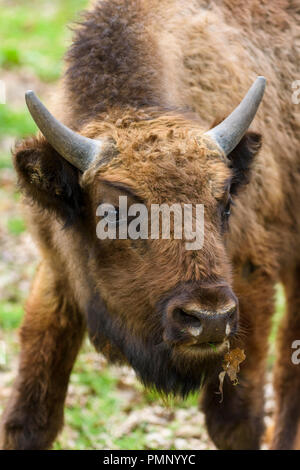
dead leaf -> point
(231, 367)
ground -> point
(106, 407)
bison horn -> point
(78, 150)
(229, 132)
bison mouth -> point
(212, 348)
(171, 370)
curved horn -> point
(78, 150)
(229, 132)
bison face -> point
(164, 307)
(160, 303)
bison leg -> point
(237, 422)
(50, 339)
(287, 372)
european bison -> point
(144, 83)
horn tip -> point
(262, 80)
(29, 96)
(29, 93)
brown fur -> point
(152, 77)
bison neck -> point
(115, 61)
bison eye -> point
(227, 209)
(112, 216)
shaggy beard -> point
(170, 371)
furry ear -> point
(48, 179)
(241, 159)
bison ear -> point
(241, 159)
(48, 179)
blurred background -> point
(106, 407)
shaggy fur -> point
(152, 76)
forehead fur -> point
(164, 157)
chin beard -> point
(169, 370)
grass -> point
(33, 33)
(36, 42)
(11, 314)
(16, 225)
(280, 308)
(5, 160)
(88, 419)
(16, 123)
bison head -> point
(166, 310)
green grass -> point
(152, 396)
(34, 33)
(16, 225)
(5, 161)
(10, 315)
(134, 441)
(15, 123)
(89, 419)
(88, 422)
(280, 308)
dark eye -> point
(227, 209)
(112, 216)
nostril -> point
(186, 317)
(231, 314)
